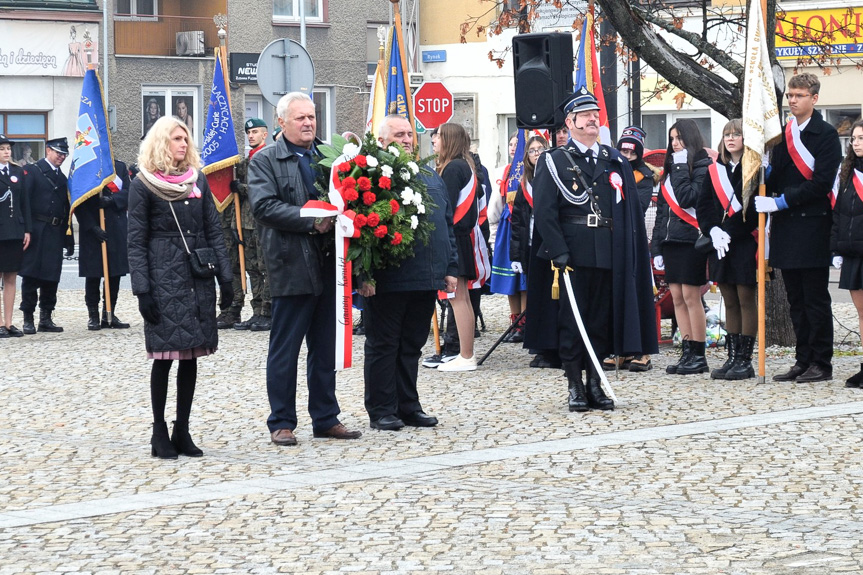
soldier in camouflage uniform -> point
(256, 131)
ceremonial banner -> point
(92, 161)
(398, 94)
(377, 100)
(762, 127)
(587, 74)
(219, 152)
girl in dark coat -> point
(846, 238)
(170, 201)
(674, 236)
(732, 264)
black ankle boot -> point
(696, 363)
(596, 397)
(732, 341)
(855, 380)
(93, 321)
(577, 397)
(742, 366)
(113, 322)
(684, 357)
(46, 324)
(183, 441)
(28, 327)
(160, 444)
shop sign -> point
(809, 31)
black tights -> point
(741, 311)
(187, 375)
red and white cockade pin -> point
(14, 179)
(617, 183)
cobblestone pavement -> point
(686, 476)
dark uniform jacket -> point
(14, 205)
(294, 252)
(116, 226)
(687, 184)
(622, 248)
(846, 237)
(159, 265)
(247, 219)
(800, 235)
(49, 210)
(519, 235)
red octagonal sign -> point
(432, 105)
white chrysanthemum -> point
(418, 200)
(380, 145)
(421, 209)
(414, 168)
(387, 171)
(394, 150)
(405, 175)
(414, 222)
(407, 196)
(351, 150)
(371, 161)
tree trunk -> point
(779, 330)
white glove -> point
(680, 157)
(721, 241)
(516, 267)
(837, 262)
(765, 205)
(765, 160)
(659, 263)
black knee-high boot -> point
(160, 443)
(187, 375)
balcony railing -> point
(136, 35)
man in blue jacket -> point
(399, 307)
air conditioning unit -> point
(190, 43)
(415, 80)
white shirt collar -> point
(804, 124)
(582, 148)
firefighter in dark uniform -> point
(114, 200)
(588, 214)
(43, 260)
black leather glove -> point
(227, 295)
(148, 308)
(235, 186)
(69, 244)
(561, 261)
(100, 234)
(106, 201)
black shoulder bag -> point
(202, 261)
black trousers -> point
(91, 291)
(811, 315)
(592, 287)
(46, 296)
(397, 327)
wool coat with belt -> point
(49, 210)
(14, 205)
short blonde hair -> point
(155, 152)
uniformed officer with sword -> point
(588, 214)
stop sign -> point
(432, 104)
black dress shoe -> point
(792, 374)
(420, 419)
(387, 423)
(816, 373)
(14, 331)
(543, 362)
(3, 331)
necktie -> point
(5, 171)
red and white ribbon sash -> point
(688, 214)
(527, 190)
(616, 182)
(466, 199)
(482, 204)
(115, 185)
(724, 189)
(345, 230)
(802, 158)
(482, 265)
(834, 191)
(858, 184)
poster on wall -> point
(153, 107)
(47, 48)
(178, 101)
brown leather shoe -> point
(792, 374)
(283, 437)
(338, 431)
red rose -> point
(360, 161)
(368, 198)
(349, 183)
(380, 231)
(364, 184)
(344, 167)
(360, 220)
(350, 195)
(385, 183)
(374, 219)
(394, 206)
(397, 239)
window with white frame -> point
(137, 9)
(289, 10)
(182, 102)
(656, 127)
(323, 97)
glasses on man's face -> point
(535, 152)
(732, 135)
(796, 96)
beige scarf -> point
(170, 192)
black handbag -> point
(704, 244)
(202, 261)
